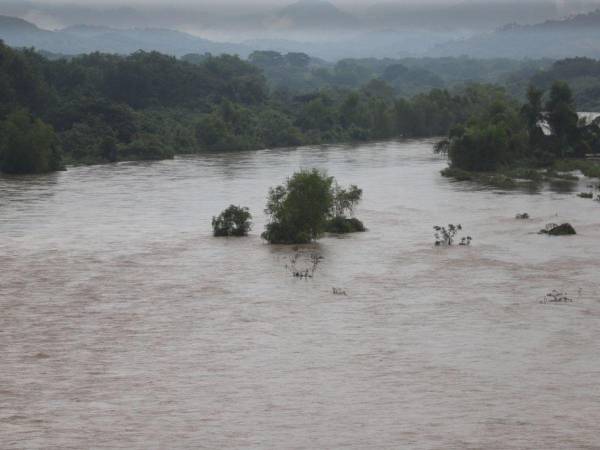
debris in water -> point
(556, 297)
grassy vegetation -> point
(511, 177)
(494, 179)
(590, 169)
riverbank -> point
(507, 178)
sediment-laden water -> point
(124, 324)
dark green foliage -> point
(299, 210)
(108, 108)
(562, 118)
(532, 113)
(504, 137)
(308, 205)
(28, 145)
(146, 147)
(22, 83)
(234, 221)
(109, 150)
(488, 141)
(407, 77)
(582, 75)
(344, 225)
(344, 202)
(276, 129)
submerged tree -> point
(308, 205)
(344, 202)
(234, 221)
(445, 236)
(299, 210)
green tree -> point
(146, 147)
(563, 118)
(532, 110)
(109, 149)
(486, 143)
(275, 129)
(344, 202)
(28, 145)
(299, 210)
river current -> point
(125, 324)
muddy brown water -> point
(124, 324)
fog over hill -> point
(574, 36)
(89, 38)
(328, 30)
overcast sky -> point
(213, 17)
(245, 3)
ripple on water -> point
(125, 324)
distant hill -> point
(85, 39)
(315, 14)
(574, 36)
(15, 24)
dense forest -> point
(544, 130)
(407, 76)
(103, 108)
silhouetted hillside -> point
(85, 39)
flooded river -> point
(124, 324)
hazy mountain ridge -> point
(461, 15)
(320, 29)
(577, 35)
(310, 14)
(85, 39)
(79, 39)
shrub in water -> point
(234, 221)
(304, 266)
(299, 209)
(556, 297)
(344, 202)
(308, 205)
(445, 236)
(344, 225)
